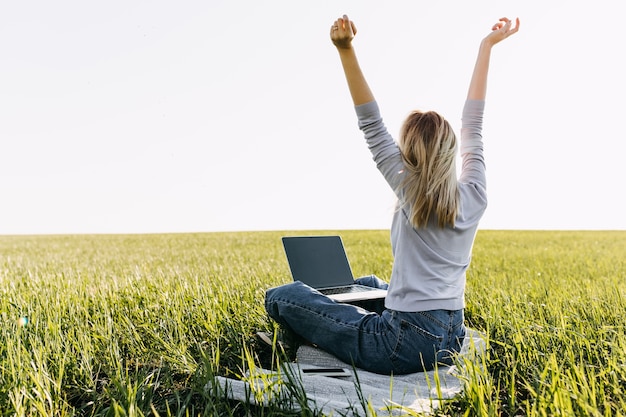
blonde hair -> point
(428, 147)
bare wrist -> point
(343, 47)
(486, 45)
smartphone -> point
(336, 372)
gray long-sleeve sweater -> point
(430, 263)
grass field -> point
(135, 325)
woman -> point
(432, 232)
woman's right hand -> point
(342, 32)
(501, 30)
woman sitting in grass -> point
(432, 232)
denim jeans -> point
(391, 342)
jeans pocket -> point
(415, 350)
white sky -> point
(192, 116)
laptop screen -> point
(318, 261)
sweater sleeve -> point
(473, 161)
(384, 149)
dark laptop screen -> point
(318, 261)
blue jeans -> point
(392, 342)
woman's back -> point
(430, 261)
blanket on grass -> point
(361, 393)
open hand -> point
(342, 32)
(501, 30)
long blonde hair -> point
(428, 146)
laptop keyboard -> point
(344, 290)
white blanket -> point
(360, 394)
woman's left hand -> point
(342, 32)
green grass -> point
(135, 325)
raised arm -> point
(500, 31)
(341, 33)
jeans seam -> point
(432, 319)
(436, 340)
(326, 316)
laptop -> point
(321, 263)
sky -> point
(234, 115)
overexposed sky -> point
(194, 116)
